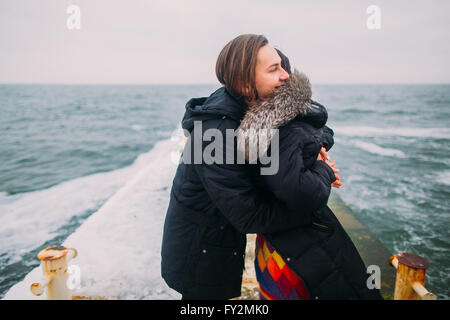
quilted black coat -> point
(213, 206)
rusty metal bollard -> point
(54, 261)
(410, 279)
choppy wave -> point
(363, 131)
(126, 229)
(3, 197)
(355, 111)
(444, 178)
(372, 148)
(137, 127)
(28, 220)
(375, 149)
(121, 122)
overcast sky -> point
(170, 41)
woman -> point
(317, 260)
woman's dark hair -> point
(285, 64)
(235, 66)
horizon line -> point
(211, 84)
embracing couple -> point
(302, 251)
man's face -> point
(268, 73)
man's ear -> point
(244, 90)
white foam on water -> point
(119, 245)
(137, 127)
(363, 131)
(27, 220)
(5, 198)
(444, 177)
(375, 149)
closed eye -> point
(274, 67)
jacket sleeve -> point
(327, 138)
(233, 191)
(319, 119)
(300, 187)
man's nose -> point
(284, 75)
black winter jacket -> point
(213, 206)
(320, 253)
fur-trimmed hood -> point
(290, 100)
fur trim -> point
(263, 118)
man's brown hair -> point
(235, 66)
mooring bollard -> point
(410, 278)
(54, 261)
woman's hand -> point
(337, 183)
(323, 156)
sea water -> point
(67, 149)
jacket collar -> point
(220, 103)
